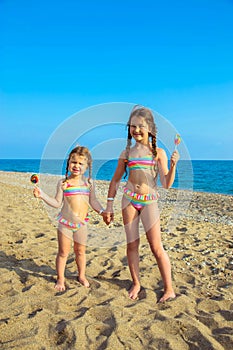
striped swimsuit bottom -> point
(72, 225)
(138, 200)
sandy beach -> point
(197, 230)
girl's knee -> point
(62, 254)
(158, 252)
(133, 245)
(79, 250)
(79, 253)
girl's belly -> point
(74, 210)
(141, 188)
(143, 184)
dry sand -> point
(197, 233)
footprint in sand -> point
(102, 325)
(63, 334)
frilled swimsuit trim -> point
(70, 224)
(140, 200)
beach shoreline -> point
(197, 234)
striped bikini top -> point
(76, 190)
(141, 163)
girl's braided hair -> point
(82, 152)
(146, 113)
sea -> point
(212, 176)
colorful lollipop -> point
(34, 178)
(177, 140)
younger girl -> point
(144, 161)
(74, 193)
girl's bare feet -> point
(134, 290)
(84, 282)
(167, 296)
(60, 285)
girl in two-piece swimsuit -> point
(70, 227)
(74, 193)
(145, 161)
(138, 200)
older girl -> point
(144, 161)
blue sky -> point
(58, 58)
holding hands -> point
(108, 217)
(108, 214)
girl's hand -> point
(37, 192)
(174, 158)
(64, 185)
(108, 217)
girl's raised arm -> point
(167, 176)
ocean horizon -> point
(212, 176)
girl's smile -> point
(139, 129)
